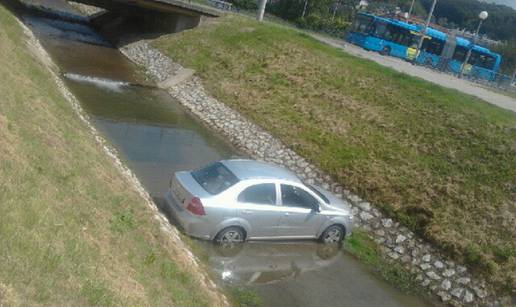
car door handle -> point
(286, 214)
(247, 211)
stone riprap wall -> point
(453, 283)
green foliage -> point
(335, 27)
(318, 15)
(508, 52)
(245, 4)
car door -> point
(257, 204)
(300, 213)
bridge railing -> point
(221, 5)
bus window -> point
(380, 29)
(393, 33)
(460, 53)
(402, 36)
(433, 45)
(481, 60)
(363, 24)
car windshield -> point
(215, 178)
(321, 195)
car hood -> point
(335, 202)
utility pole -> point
(411, 7)
(304, 9)
(335, 8)
(423, 32)
(482, 16)
(261, 9)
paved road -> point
(433, 76)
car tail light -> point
(195, 206)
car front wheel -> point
(333, 234)
(230, 236)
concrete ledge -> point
(181, 76)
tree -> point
(508, 52)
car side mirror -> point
(316, 208)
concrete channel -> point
(155, 136)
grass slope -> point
(72, 230)
(442, 162)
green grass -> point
(442, 162)
(245, 298)
(72, 230)
(365, 249)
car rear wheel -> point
(230, 236)
(333, 234)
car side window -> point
(264, 193)
(292, 196)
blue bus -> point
(399, 39)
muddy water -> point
(156, 137)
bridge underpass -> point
(123, 21)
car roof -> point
(252, 169)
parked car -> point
(232, 201)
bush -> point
(245, 4)
(335, 27)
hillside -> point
(73, 230)
(509, 3)
(440, 161)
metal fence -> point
(495, 80)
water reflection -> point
(265, 263)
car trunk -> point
(184, 187)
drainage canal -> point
(156, 137)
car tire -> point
(333, 234)
(230, 236)
(386, 50)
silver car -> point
(236, 200)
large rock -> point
(446, 284)
(365, 216)
(433, 275)
(365, 206)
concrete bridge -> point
(121, 19)
(183, 7)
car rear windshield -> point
(321, 195)
(215, 178)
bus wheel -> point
(386, 50)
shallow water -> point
(156, 137)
